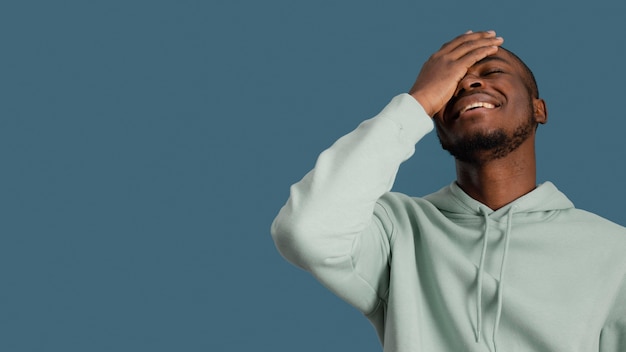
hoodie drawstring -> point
(479, 290)
(507, 236)
(500, 287)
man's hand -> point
(442, 72)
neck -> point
(498, 182)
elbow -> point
(292, 241)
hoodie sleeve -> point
(613, 335)
(328, 226)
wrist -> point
(423, 102)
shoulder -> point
(588, 219)
(591, 231)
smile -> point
(476, 105)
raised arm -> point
(329, 225)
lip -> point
(466, 100)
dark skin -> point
(471, 87)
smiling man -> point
(492, 262)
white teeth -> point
(479, 104)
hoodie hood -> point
(455, 202)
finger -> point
(470, 46)
(465, 37)
(472, 57)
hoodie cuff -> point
(407, 113)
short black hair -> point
(529, 77)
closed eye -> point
(493, 71)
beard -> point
(482, 147)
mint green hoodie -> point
(445, 272)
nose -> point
(469, 82)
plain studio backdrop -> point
(146, 147)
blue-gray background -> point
(147, 145)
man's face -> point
(492, 112)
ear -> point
(540, 111)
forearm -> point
(335, 201)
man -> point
(493, 262)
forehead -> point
(502, 56)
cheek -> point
(522, 109)
(519, 106)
